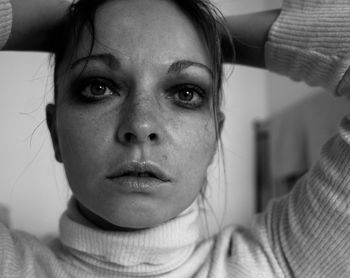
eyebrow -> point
(112, 62)
(181, 65)
(106, 58)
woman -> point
(136, 122)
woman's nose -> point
(139, 124)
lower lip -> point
(137, 184)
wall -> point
(246, 100)
(283, 92)
(32, 183)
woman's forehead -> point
(145, 30)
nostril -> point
(128, 136)
(152, 137)
(131, 137)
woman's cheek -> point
(82, 141)
(200, 139)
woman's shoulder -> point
(245, 251)
(23, 255)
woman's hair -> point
(207, 19)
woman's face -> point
(133, 124)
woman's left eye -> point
(189, 96)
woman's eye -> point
(186, 95)
(189, 96)
(96, 89)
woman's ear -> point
(51, 124)
(221, 121)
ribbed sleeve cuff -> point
(310, 41)
(5, 21)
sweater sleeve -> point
(309, 230)
(5, 21)
(310, 41)
(22, 255)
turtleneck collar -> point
(153, 251)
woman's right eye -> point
(97, 89)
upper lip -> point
(134, 168)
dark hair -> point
(204, 15)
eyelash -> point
(194, 89)
(86, 83)
(82, 86)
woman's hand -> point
(34, 22)
(249, 33)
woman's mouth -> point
(139, 176)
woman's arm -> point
(307, 41)
(249, 33)
(308, 231)
(33, 23)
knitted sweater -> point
(5, 21)
(304, 234)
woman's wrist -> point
(5, 21)
(249, 33)
(34, 23)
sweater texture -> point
(310, 41)
(303, 234)
(5, 21)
